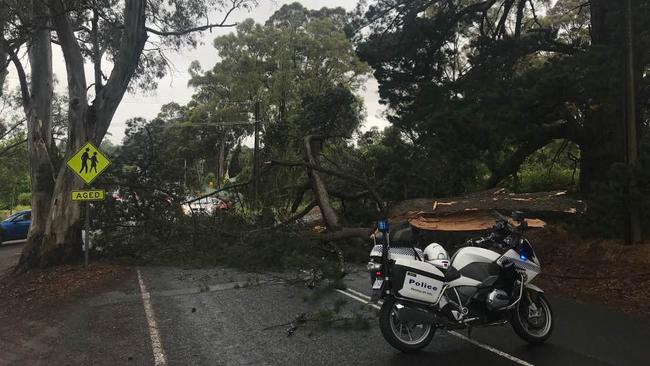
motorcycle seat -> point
(451, 274)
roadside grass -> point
(7, 212)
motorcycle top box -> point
(417, 280)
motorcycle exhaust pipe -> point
(414, 315)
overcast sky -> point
(174, 86)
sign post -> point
(87, 234)
(88, 163)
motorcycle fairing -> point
(530, 267)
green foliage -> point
(14, 160)
(553, 167)
(14, 173)
(25, 199)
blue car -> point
(15, 227)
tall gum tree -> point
(91, 31)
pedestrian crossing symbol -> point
(88, 163)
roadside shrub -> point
(25, 198)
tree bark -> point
(3, 68)
(633, 235)
(319, 188)
(39, 131)
(4, 56)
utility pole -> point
(256, 149)
(12, 202)
(185, 173)
(633, 234)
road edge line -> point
(490, 348)
(156, 345)
(357, 298)
(365, 299)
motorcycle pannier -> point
(417, 280)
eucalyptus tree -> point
(303, 71)
(126, 43)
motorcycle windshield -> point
(527, 253)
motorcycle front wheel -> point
(532, 318)
(404, 336)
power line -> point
(201, 124)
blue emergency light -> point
(382, 225)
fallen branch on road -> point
(218, 191)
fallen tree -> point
(494, 199)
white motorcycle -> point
(485, 283)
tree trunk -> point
(3, 69)
(221, 162)
(631, 121)
(319, 188)
(603, 135)
(39, 133)
(4, 57)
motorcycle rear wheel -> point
(406, 337)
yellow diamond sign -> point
(88, 163)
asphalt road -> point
(227, 327)
(172, 316)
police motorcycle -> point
(487, 282)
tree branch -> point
(347, 233)
(334, 173)
(298, 215)
(219, 190)
(134, 37)
(6, 149)
(299, 195)
(534, 141)
(349, 196)
(71, 53)
(318, 186)
(20, 70)
(97, 56)
(189, 30)
(12, 128)
(235, 5)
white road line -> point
(158, 353)
(360, 294)
(358, 298)
(365, 298)
(490, 348)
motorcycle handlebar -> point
(499, 215)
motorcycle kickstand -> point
(469, 331)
